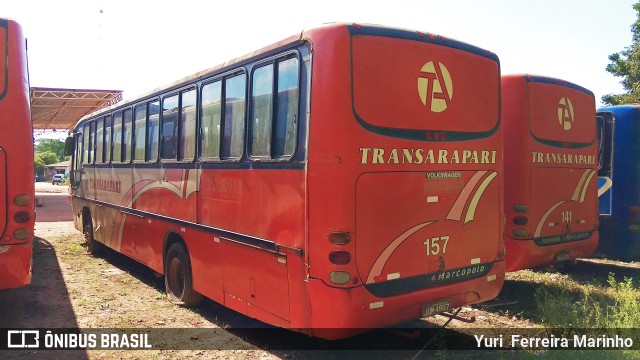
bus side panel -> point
(266, 204)
(622, 240)
(257, 278)
(15, 265)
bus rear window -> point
(413, 85)
(561, 113)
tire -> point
(93, 247)
(178, 281)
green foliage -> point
(47, 157)
(39, 165)
(626, 64)
(50, 145)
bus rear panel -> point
(404, 178)
(551, 163)
(16, 160)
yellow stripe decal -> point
(471, 212)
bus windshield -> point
(450, 84)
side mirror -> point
(68, 146)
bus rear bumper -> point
(525, 254)
(339, 313)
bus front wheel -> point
(178, 281)
(93, 247)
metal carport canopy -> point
(60, 109)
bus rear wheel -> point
(93, 247)
(178, 281)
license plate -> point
(563, 256)
(435, 308)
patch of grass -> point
(594, 312)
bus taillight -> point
(22, 217)
(520, 208)
(520, 233)
(520, 220)
(339, 238)
(21, 234)
(339, 277)
(22, 200)
(339, 257)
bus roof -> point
(305, 35)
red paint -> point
(548, 185)
(339, 187)
(16, 157)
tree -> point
(47, 157)
(626, 64)
(39, 165)
(53, 145)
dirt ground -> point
(71, 289)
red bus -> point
(550, 154)
(16, 160)
(345, 178)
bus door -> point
(605, 123)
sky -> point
(139, 45)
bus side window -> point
(140, 123)
(117, 137)
(100, 141)
(153, 130)
(107, 139)
(261, 111)
(87, 156)
(233, 122)
(274, 133)
(210, 115)
(127, 131)
(286, 126)
(169, 127)
(187, 144)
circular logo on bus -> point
(565, 113)
(434, 86)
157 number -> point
(436, 245)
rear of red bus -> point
(16, 160)
(551, 201)
(404, 178)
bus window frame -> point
(178, 92)
(134, 144)
(222, 77)
(99, 140)
(147, 137)
(124, 110)
(116, 114)
(210, 81)
(91, 154)
(272, 60)
(108, 123)
(191, 87)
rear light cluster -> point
(21, 217)
(340, 257)
(521, 219)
